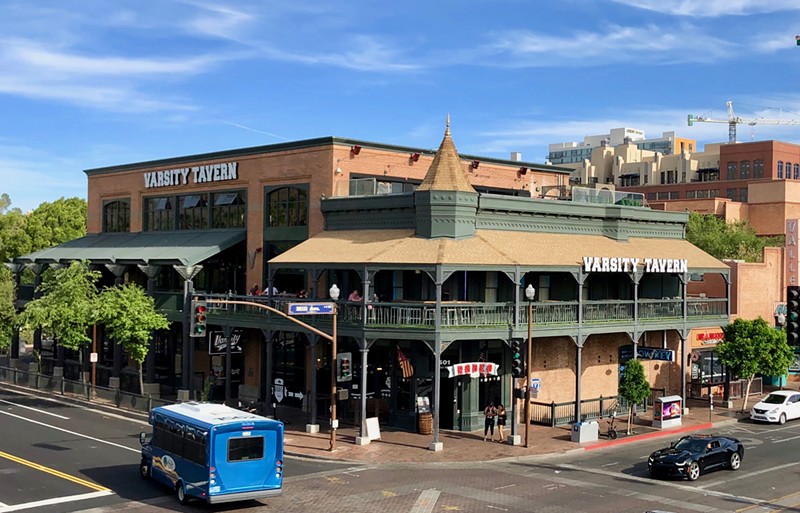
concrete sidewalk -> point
(402, 446)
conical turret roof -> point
(446, 173)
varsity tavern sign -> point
(192, 175)
(628, 265)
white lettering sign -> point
(195, 175)
(627, 265)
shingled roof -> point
(446, 172)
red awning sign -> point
(473, 369)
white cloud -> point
(652, 43)
(713, 8)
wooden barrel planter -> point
(426, 423)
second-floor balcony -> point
(456, 315)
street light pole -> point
(530, 292)
(334, 293)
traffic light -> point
(198, 324)
(793, 315)
(516, 359)
(344, 369)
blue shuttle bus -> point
(213, 452)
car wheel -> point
(144, 470)
(655, 474)
(782, 419)
(694, 471)
(735, 461)
(180, 491)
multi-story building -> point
(574, 152)
(441, 246)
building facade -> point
(431, 251)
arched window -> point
(117, 215)
(780, 169)
(797, 171)
(788, 170)
(288, 206)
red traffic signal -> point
(198, 324)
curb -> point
(659, 434)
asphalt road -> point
(62, 458)
(59, 457)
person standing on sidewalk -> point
(490, 412)
(501, 422)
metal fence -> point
(559, 414)
(81, 390)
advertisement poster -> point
(669, 410)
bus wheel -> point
(180, 491)
(144, 470)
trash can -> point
(585, 431)
(425, 423)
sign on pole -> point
(311, 308)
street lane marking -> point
(54, 472)
(137, 451)
(34, 409)
(98, 409)
(426, 501)
(56, 500)
(750, 474)
(785, 439)
(648, 480)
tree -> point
(57, 222)
(721, 239)
(754, 347)
(129, 316)
(633, 386)
(8, 313)
(67, 307)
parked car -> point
(778, 406)
(695, 454)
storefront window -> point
(707, 369)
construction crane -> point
(734, 120)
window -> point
(744, 169)
(731, 194)
(228, 210)
(731, 170)
(663, 195)
(713, 193)
(691, 194)
(246, 448)
(674, 195)
(117, 216)
(743, 195)
(651, 195)
(788, 171)
(758, 168)
(193, 214)
(184, 442)
(780, 169)
(797, 171)
(159, 214)
(288, 206)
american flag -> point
(405, 364)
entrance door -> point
(449, 403)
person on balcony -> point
(354, 297)
(255, 290)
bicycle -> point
(612, 433)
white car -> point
(779, 406)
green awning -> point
(155, 248)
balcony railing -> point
(460, 314)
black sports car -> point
(692, 455)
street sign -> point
(311, 308)
(536, 384)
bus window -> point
(245, 449)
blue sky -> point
(92, 83)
